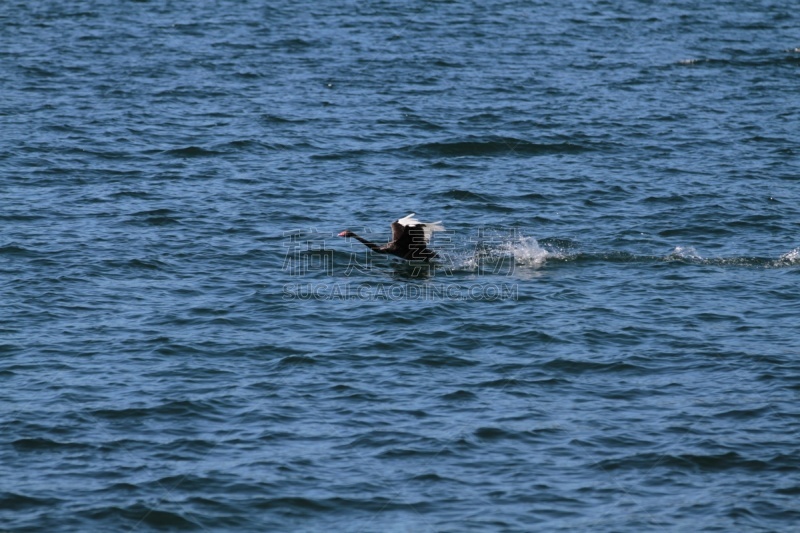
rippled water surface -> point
(608, 340)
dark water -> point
(608, 341)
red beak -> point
(343, 234)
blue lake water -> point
(608, 340)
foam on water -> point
(503, 255)
(683, 253)
(790, 258)
(690, 255)
(526, 252)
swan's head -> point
(346, 233)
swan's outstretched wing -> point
(409, 221)
(398, 226)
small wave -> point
(13, 249)
(240, 145)
(41, 443)
(344, 154)
(154, 217)
(486, 202)
(153, 212)
(532, 196)
(705, 463)
(495, 146)
(293, 44)
(579, 367)
(142, 514)
(15, 501)
(20, 217)
(502, 383)
(138, 264)
(744, 414)
(130, 194)
(278, 119)
(294, 360)
(666, 199)
(442, 360)
(462, 194)
(191, 151)
(459, 395)
(494, 433)
(182, 408)
(147, 264)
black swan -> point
(409, 239)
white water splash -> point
(526, 252)
(791, 258)
(506, 256)
(684, 253)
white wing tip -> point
(409, 220)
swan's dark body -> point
(409, 239)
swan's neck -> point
(371, 245)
